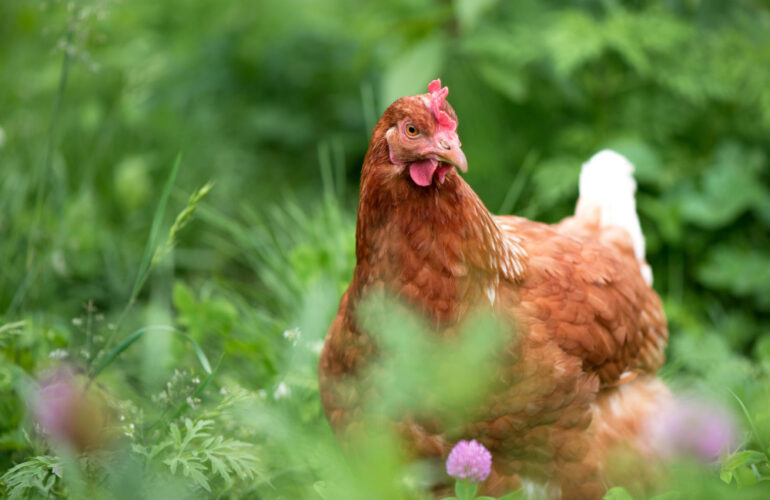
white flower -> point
(292, 335)
(58, 354)
(281, 391)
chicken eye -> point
(411, 130)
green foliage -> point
(34, 478)
(618, 493)
(426, 375)
(746, 467)
(465, 490)
(193, 452)
(273, 104)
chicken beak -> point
(449, 151)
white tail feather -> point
(607, 185)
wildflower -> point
(281, 391)
(293, 335)
(58, 354)
(67, 414)
(469, 460)
(693, 427)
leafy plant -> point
(36, 477)
(192, 450)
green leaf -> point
(516, 495)
(618, 493)
(670, 495)
(729, 187)
(742, 458)
(202, 359)
(573, 40)
(411, 73)
(32, 478)
(469, 12)
(746, 475)
(756, 434)
(745, 272)
(509, 81)
(465, 490)
(556, 180)
(322, 489)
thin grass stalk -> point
(146, 263)
(47, 165)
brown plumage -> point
(578, 382)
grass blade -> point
(204, 361)
(113, 353)
(149, 249)
(127, 342)
(754, 429)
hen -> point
(589, 330)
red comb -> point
(437, 98)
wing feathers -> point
(592, 299)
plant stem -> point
(50, 148)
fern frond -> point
(191, 450)
(36, 476)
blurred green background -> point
(273, 102)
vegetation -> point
(198, 334)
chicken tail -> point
(607, 189)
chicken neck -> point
(436, 246)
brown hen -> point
(589, 331)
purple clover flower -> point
(469, 460)
(66, 413)
(693, 427)
(55, 402)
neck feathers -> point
(438, 246)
